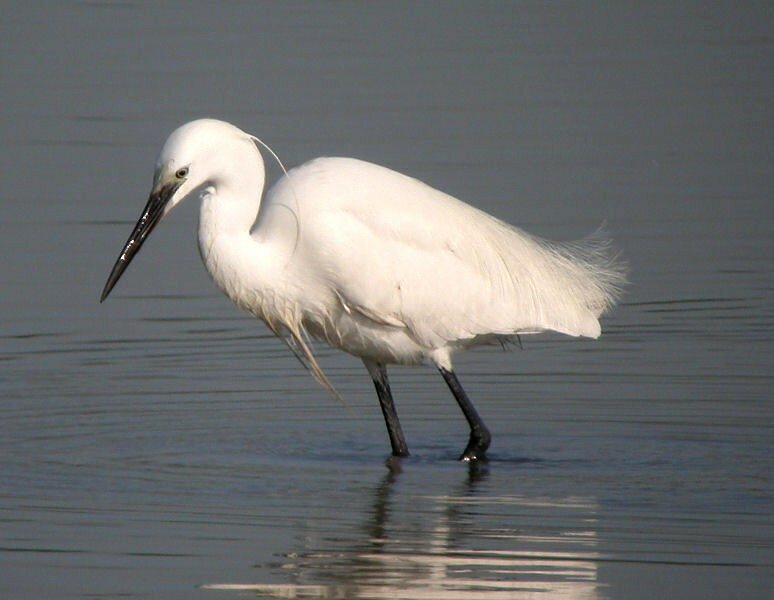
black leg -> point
(379, 374)
(479, 434)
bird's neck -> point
(230, 202)
(223, 215)
(227, 249)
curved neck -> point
(230, 201)
(229, 208)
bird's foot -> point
(479, 441)
(395, 463)
(473, 454)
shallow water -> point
(164, 445)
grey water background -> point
(164, 445)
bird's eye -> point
(182, 173)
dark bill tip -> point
(150, 217)
(115, 275)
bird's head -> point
(196, 156)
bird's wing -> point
(443, 285)
(403, 254)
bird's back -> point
(410, 260)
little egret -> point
(371, 261)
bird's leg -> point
(479, 434)
(379, 375)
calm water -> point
(163, 445)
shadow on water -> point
(454, 545)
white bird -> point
(371, 261)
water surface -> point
(164, 445)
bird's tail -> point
(604, 268)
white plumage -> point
(371, 261)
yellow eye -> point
(182, 173)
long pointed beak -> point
(152, 214)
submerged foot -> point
(395, 463)
(480, 438)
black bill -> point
(152, 214)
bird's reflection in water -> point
(467, 544)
